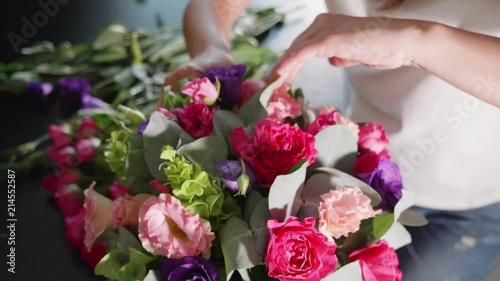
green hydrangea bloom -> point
(118, 146)
(199, 192)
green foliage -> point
(118, 147)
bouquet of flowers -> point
(230, 180)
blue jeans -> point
(454, 246)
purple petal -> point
(230, 80)
(142, 127)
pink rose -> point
(69, 200)
(379, 262)
(166, 228)
(87, 128)
(274, 149)
(86, 148)
(201, 90)
(97, 217)
(56, 182)
(250, 88)
(196, 119)
(368, 161)
(60, 135)
(372, 137)
(117, 190)
(160, 187)
(63, 157)
(125, 212)
(282, 106)
(342, 211)
(330, 116)
(94, 256)
(74, 228)
(296, 251)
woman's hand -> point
(210, 57)
(382, 43)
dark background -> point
(42, 252)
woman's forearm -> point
(469, 61)
(208, 23)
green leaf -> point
(132, 271)
(398, 236)
(258, 223)
(161, 131)
(113, 34)
(37, 48)
(284, 195)
(251, 203)
(110, 264)
(337, 148)
(136, 175)
(139, 257)
(65, 52)
(135, 116)
(53, 69)
(127, 240)
(111, 54)
(225, 122)
(381, 224)
(205, 152)
(251, 55)
(135, 49)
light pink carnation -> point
(282, 105)
(166, 228)
(330, 116)
(125, 211)
(201, 90)
(342, 211)
(97, 216)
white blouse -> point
(446, 142)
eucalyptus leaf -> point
(136, 173)
(153, 275)
(205, 152)
(284, 195)
(112, 35)
(54, 69)
(381, 224)
(258, 223)
(127, 240)
(265, 96)
(132, 271)
(65, 52)
(111, 54)
(159, 132)
(139, 257)
(225, 122)
(411, 218)
(337, 148)
(251, 204)
(110, 264)
(39, 47)
(397, 236)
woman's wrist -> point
(428, 39)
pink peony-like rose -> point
(74, 228)
(94, 256)
(160, 187)
(86, 148)
(379, 262)
(117, 190)
(125, 212)
(250, 88)
(60, 135)
(296, 251)
(368, 161)
(87, 128)
(274, 149)
(330, 116)
(196, 119)
(282, 106)
(63, 157)
(372, 137)
(342, 211)
(201, 90)
(166, 228)
(97, 217)
(69, 200)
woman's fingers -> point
(182, 72)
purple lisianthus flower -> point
(230, 80)
(75, 94)
(41, 93)
(187, 268)
(230, 171)
(142, 127)
(386, 180)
